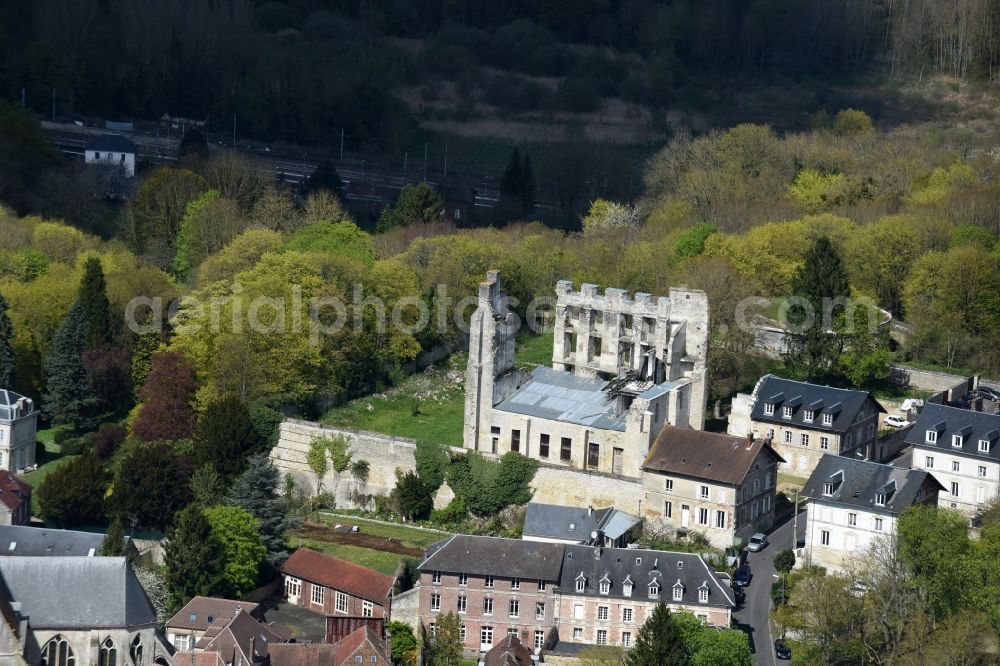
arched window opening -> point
(57, 652)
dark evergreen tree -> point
(527, 186)
(73, 493)
(114, 540)
(256, 491)
(194, 558)
(152, 484)
(659, 642)
(6, 347)
(226, 436)
(510, 181)
(206, 486)
(325, 177)
(412, 498)
(67, 397)
(816, 313)
(193, 143)
(93, 298)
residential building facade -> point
(961, 448)
(622, 367)
(806, 421)
(204, 615)
(544, 593)
(330, 586)
(852, 503)
(18, 425)
(719, 485)
(112, 150)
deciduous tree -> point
(167, 397)
(243, 551)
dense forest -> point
(301, 70)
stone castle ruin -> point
(622, 368)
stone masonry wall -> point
(384, 453)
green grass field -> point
(385, 561)
(438, 396)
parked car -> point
(757, 542)
(781, 649)
(740, 595)
(743, 576)
(894, 421)
(988, 393)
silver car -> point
(757, 542)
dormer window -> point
(931, 437)
(787, 411)
(581, 583)
(605, 585)
(678, 591)
(703, 594)
(984, 446)
(807, 415)
(827, 419)
(957, 441)
(680, 564)
(769, 409)
(828, 488)
(654, 590)
(879, 499)
(627, 588)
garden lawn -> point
(373, 559)
(408, 536)
(534, 349)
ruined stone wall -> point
(384, 454)
(569, 487)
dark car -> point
(743, 576)
(988, 393)
(781, 649)
(740, 595)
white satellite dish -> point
(593, 535)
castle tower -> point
(18, 424)
(491, 354)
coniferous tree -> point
(93, 298)
(659, 642)
(114, 540)
(821, 288)
(226, 436)
(193, 143)
(6, 348)
(194, 558)
(67, 397)
(325, 177)
(152, 484)
(256, 491)
(510, 181)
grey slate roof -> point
(802, 396)
(8, 405)
(508, 558)
(20, 540)
(571, 523)
(77, 592)
(857, 482)
(114, 143)
(641, 568)
(948, 421)
(562, 396)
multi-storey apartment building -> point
(720, 485)
(606, 594)
(851, 503)
(547, 592)
(806, 421)
(622, 367)
(962, 449)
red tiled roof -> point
(348, 645)
(198, 659)
(303, 654)
(337, 574)
(13, 491)
(705, 455)
(201, 608)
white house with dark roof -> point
(18, 425)
(622, 366)
(806, 421)
(851, 503)
(962, 449)
(112, 150)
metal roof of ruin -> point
(562, 396)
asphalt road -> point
(754, 615)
